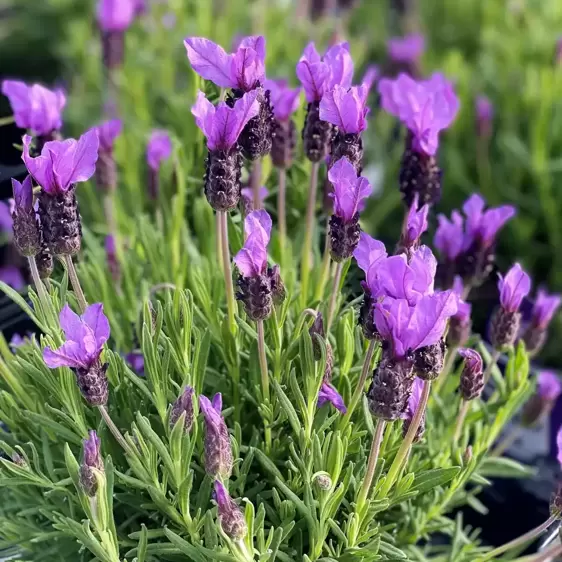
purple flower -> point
(406, 49)
(85, 337)
(349, 190)
(244, 69)
(108, 132)
(369, 255)
(472, 360)
(231, 518)
(544, 309)
(425, 107)
(328, 393)
(416, 224)
(251, 260)
(6, 221)
(159, 148)
(346, 108)
(35, 107)
(371, 76)
(481, 225)
(17, 340)
(414, 399)
(284, 100)
(247, 194)
(409, 328)
(136, 360)
(218, 451)
(549, 386)
(464, 309)
(484, 116)
(183, 405)
(449, 236)
(23, 195)
(559, 445)
(92, 448)
(222, 125)
(11, 275)
(63, 163)
(514, 287)
(319, 75)
(116, 15)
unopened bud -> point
(218, 450)
(19, 460)
(231, 518)
(91, 462)
(472, 377)
(429, 360)
(323, 481)
(467, 455)
(317, 329)
(504, 328)
(278, 291)
(183, 405)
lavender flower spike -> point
(484, 116)
(61, 165)
(416, 225)
(35, 108)
(112, 260)
(85, 337)
(184, 404)
(231, 518)
(218, 451)
(472, 376)
(27, 232)
(541, 403)
(460, 325)
(411, 408)
(347, 110)
(106, 171)
(114, 17)
(349, 192)
(543, 311)
(328, 393)
(505, 322)
(92, 462)
(158, 150)
(222, 127)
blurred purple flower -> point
(544, 309)
(244, 69)
(136, 360)
(12, 276)
(222, 125)
(464, 309)
(484, 116)
(35, 107)
(416, 225)
(346, 108)
(107, 133)
(349, 190)
(85, 337)
(371, 76)
(406, 49)
(425, 107)
(6, 221)
(23, 195)
(328, 393)
(63, 163)
(559, 445)
(449, 236)
(549, 386)
(284, 100)
(319, 75)
(247, 194)
(514, 287)
(158, 149)
(251, 260)
(116, 15)
(414, 399)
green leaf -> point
(504, 467)
(432, 478)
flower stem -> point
(218, 241)
(114, 430)
(44, 298)
(371, 465)
(334, 296)
(225, 254)
(491, 365)
(75, 282)
(281, 212)
(360, 388)
(449, 362)
(109, 210)
(255, 179)
(407, 442)
(324, 270)
(463, 410)
(544, 556)
(308, 234)
(264, 374)
(519, 541)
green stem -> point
(404, 449)
(324, 270)
(308, 234)
(75, 282)
(281, 213)
(264, 375)
(334, 296)
(519, 541)
(371, 466)
(506, 442)
(463, 410)
(225, 254)
(360, 388)
(447, 368)
(255, 179)
(44, 299)
(114, 430)
(491, 365)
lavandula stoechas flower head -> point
(218, 450)
(472, 376)
(411, 408)
(106, 170)
(36, 108)
(111, 257)
(346, 109)
(484, 117)
(158, 150)
(222, 126)
(368, 254)
(61, 165)
(506, 319)
(27, 231)
(544, 399)
(329, 394)
(114, 17)
(416, 224)
(183, 404)
(460, 324)
(349, 192)
(231, 518)
(92, 462)
(243, 71)
(319, 75)
(85, 337)
(247, 198)
(544, 309)
(259, 286)
(285, 102)
(425, 107)
(407, 49)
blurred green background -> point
(505, 49)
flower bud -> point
(223, 170)
(413, 404)
(44, 261)
(19, 460)
(27, 231)
(91, 462)
(278, 291)
(284, 144)
(317, 329)
(218, 450)
(366, 316)
(93, 383)
(316, 134)
(256, 295)
(429, 360)
(472, 377)
(344, 237)
(323, 481)
(349, 146)
(184, 404)
(504, 327)
(231, 518)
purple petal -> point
(76, 161)
(414, 399)
(370, 77)
(221, 496)
(204, 112)
(368, 254)
(416, 223)
(210, 61)
(328, 393)
(406, 49)
(71, 324)
(70, 354)
(41, 168)
(396, 278)
(159, 149)
(449, 237)
(424, 266)
(23, 194)
(11, 275)
(349, 190)
(514, 287)
(493, 220)
(96, 320)
(6, 221)
(284, 100)
(251, 260)
(258, 222)
(339, 61)
(549, 386)
(392, 318)
(248, 63)
(313, 77)
(559, 445)
(545, 307)
(473, 208)
(108, 132)
(345, 109)
(116, 15)
(217, 402)
(229, 122)
(209, 412)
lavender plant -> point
(354, 440)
